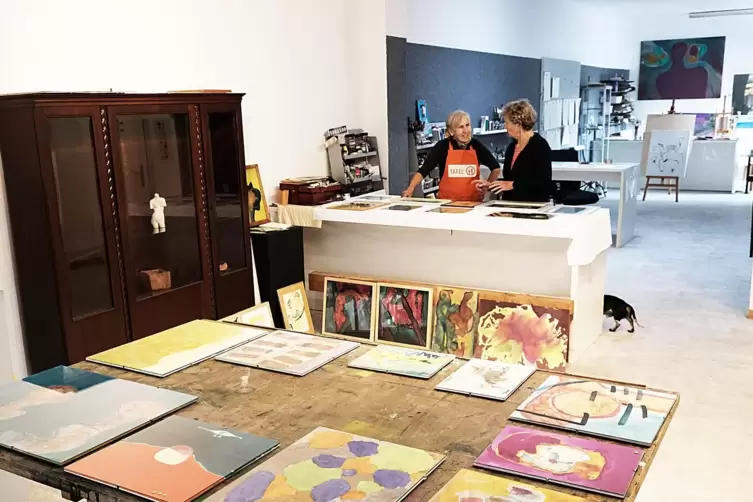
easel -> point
(668, 186)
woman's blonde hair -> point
(454, 119)
(521, 113)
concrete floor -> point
(687, 273)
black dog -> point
(619, 309)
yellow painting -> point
(295, 308)
(258, 211)
(258, 315)
(469, 485)
(169, 351)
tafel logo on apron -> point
(461, 170)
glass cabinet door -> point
(162, 227)
(229, 230)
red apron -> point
(460, 171)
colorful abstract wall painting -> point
(490, 379)
(406, 315)
(474, 486)
(578, 462)
(328, 465)
(60, 427)
(258, 315)
(174, 460)
(402, 361)
(288, 352)
(65, 379)
(681, 68)
(295, 308)
(523, 329)
(349, 309)
(456, 321)
(164, 353)
(614, 411)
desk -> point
(564, 256)
(402, 410)
(623, 175)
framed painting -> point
(464, 203)
(456, 321)
(474, 486)
(258, 211)
(349, 309)
(288, 352)
(450, 210)
(489, 379)
(405, 315)
(65, 379)
(258, 315)
(523, 329)
(174, 460)
(172, 350)
(358, 206)
(581, 463)
(402, 361)
(295, 308)
(329, 465)
(614, 411)
(425, 200)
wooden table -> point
(402, 410)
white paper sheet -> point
(555, 88)
(547, 85)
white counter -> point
(714, 165)
(564, 256)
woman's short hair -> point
(521, 113)
(455, 118)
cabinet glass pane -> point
(74, 168)
(230, 232)
(155, 152)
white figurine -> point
(157, 205)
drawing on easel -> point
(668, 153)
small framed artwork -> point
(405, 315)
(258, 211)
(349, 309)
(295, 308)
(258, 315)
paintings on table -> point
(258, 315)
(48, 422)
(668, 152)
(295, 308)
(490, 379)
(328, 465)
(450, 210)
(464, 203)
(681, 68)
(172, 350)
(523, 329)
(425, 200)
(358, 206)
(402, 361)
(349, 308)
(578, 462)
(405, 315)
(613, 411)
(402, 207)
(258, 211)
(174, 460)
(65, 379)
(456, 321)
(288, 352)
(474, 486)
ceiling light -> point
(720, 13)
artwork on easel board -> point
(490, 379)
(295, 308)
(174, 460)
(581, 463)
(57, 425)
(405, 315)
(474, 486)
(288, 352)
(402, 361)
(172, 350)
(258, 211)
(329, 465)
(349, 309)
(608, 410)
(258, 315)
(668, 153)
(456, 321)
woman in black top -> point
(527, 171)
(464, 154)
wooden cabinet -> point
(129, 215)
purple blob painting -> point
(681, 69)
(578, 462)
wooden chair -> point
(668, 186)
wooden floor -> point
(399, 409)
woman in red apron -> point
(459, 158)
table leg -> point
(626, 213)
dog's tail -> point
(631, 312)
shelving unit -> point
(595, 117)
(621, 105)
(358, 172)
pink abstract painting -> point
(578, 462)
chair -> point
(569, 193)
(748, 177)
